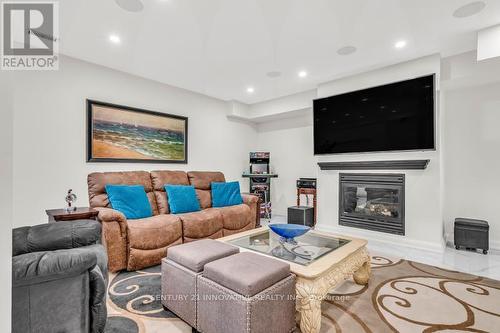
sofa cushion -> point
(182, 199)
(246, 273)
(154, 232)
(206, 223)
(202, 180)
(98, 180)
(131, 200)
(195, 255)
(205, 198)
(236, 217)
(159, 179)
(149, 238)
(226, 194)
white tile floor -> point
(459, 260)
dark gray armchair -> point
(59, 278)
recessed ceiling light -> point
(400, 44)
(130, 5)
(273, 74)
(346, 50)
(250, 90)
(469, 9)
(114, 39)
(302, 74)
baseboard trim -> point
(494, 245)
(405, 241)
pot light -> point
(302, 74)
(400, 44)
(273, 74)
(133, 6)
(250, 90)
(114, 39)
(469, 9)
(346, 50)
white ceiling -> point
(220, 47)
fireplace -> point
(373, 201)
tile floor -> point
(459, 260)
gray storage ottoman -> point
(247, 293)
(179, 271)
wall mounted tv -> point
(396, 116)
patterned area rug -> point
(402, 296)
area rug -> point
(402, 296)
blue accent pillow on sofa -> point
(226, 194)
(131, 200)
(182, 199)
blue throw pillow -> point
(131, 200)
(182, 199)
(226, 194)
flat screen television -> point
(395, 116)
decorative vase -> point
(287, 233)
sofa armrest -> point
(253, 201)
(98, 290)
(39, 267)
(55, 236)
(250, 199)
(111, 215)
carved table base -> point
(311, 292)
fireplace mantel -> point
(375, 165)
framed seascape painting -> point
(117, 133)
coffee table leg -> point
(362, 275)
(309, 306)
(310, 317)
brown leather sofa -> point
(135, 244)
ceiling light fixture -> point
(273, 74)
(400, 44)
(250, 90)
(302, 74)
(114, 39)
(133, 6)
(346, 50)
(469, 9)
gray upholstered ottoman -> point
(179, 271)
(246, 292)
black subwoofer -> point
(472, 234)
(301, 215)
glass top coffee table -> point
(309, 248)
(321, 261)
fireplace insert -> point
(373, 202)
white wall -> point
(461, 179)
(423, 211)
(50, 132)
(6, 174)
(291, 145)
(472, 155)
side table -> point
(81, 213)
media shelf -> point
(264, 175)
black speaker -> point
(301, 215)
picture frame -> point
(124, 134)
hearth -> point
(373, 202)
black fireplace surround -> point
(372, 201)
